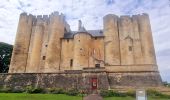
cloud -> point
(91, 13)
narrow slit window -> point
(71, 62)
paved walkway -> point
(93, 97)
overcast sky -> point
(91, 13)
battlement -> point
(45, 18)
(110, 16)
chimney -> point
(79, 25)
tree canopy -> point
(5, 56)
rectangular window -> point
(97, 65)
(44, 57)
(130, 48)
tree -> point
(5, 56)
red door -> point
(94, 83)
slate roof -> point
(94, 33)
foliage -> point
(5, 56)
(72, 92)
(166, 84)
(154, 93)
(5, 90)
(112, 93)
(30, 89)
(131, 93)
(56, 90)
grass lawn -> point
(24, 96)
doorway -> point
(94, 83)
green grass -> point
(24, 96)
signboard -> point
(141, 94)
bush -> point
(166, 84)
(56, 91)
(17, 91)
(154, 93)
(30, 89)
(5, 90)
(104, 93)
(38, 90)
(111, 93)
(131, 93)
(72, 92)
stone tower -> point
(37, 41)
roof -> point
(94, 33)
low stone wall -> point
(80, 80)
(140, 79)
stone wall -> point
(81, 80)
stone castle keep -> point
(45, 44)
(120, 54)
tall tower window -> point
(71, 62)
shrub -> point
(38, 90)
(166, 84)
(5, 90)
(17, 91)
(56, 91)
(72, 92)
(154, 93)
(30, 89)
(104, 93)
(111, 93)
(131, 93)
